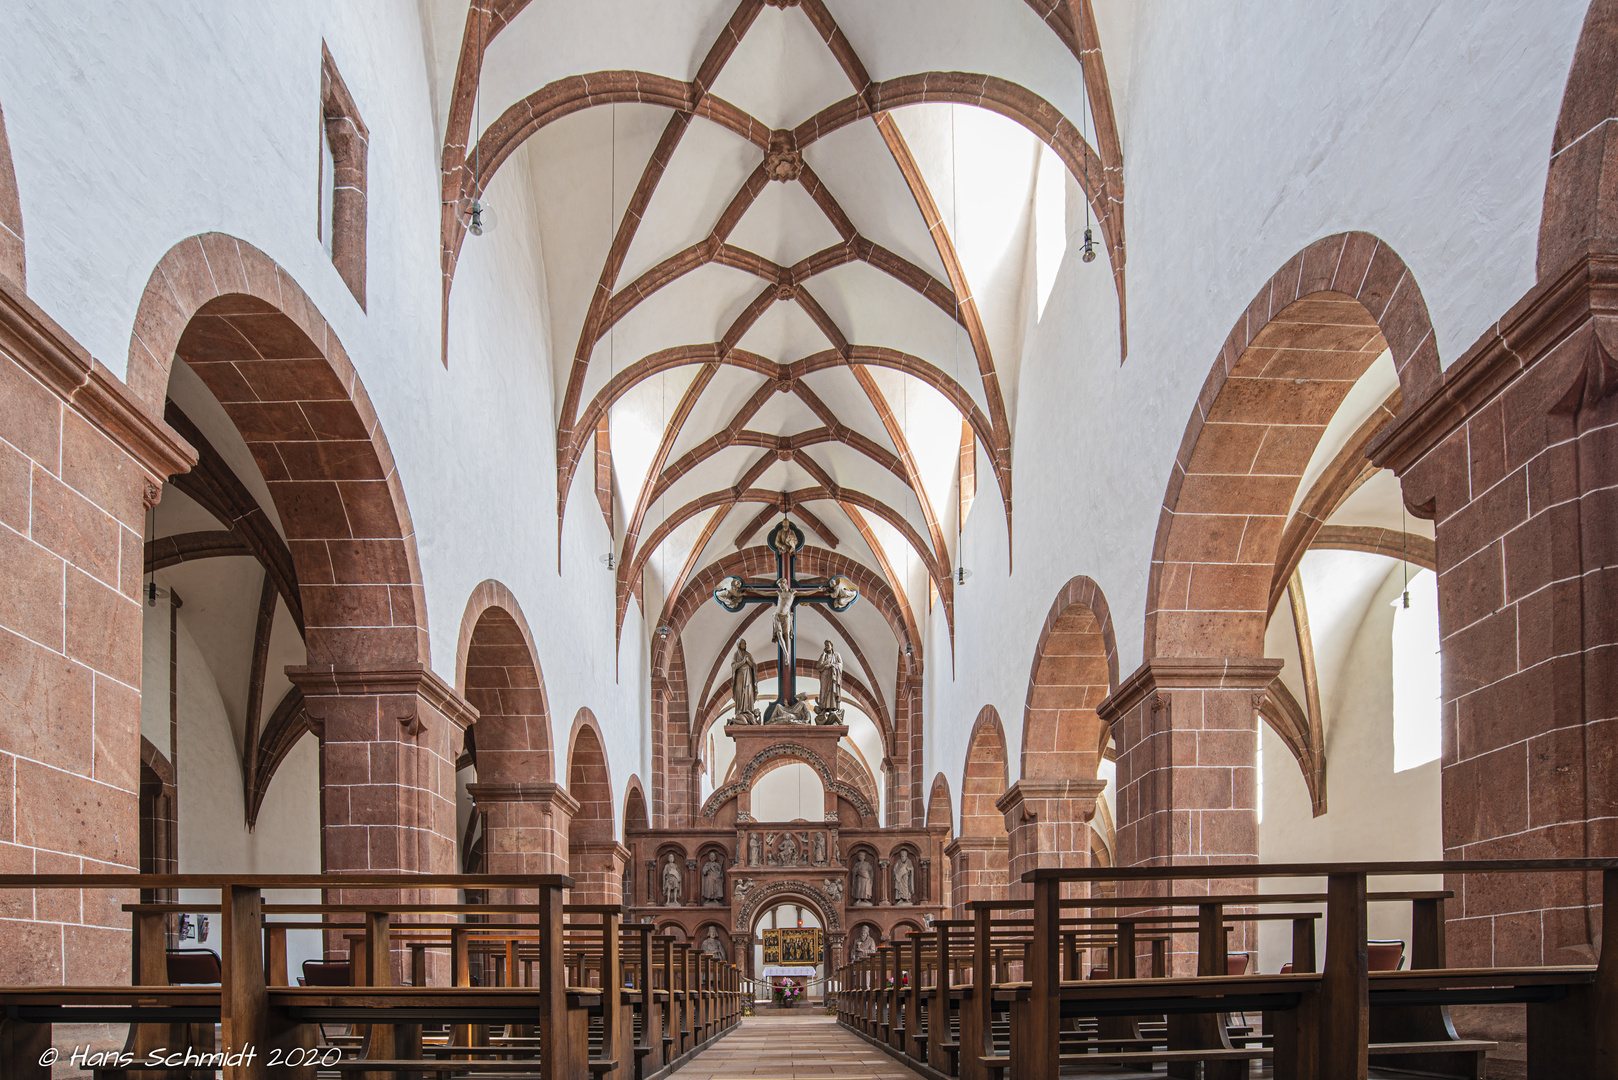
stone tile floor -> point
(793, 1046)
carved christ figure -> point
(744, 684)
(781, 623)
(787, 850)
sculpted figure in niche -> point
(829, 704)
(865, 944)
(712, 945)
(860, 880)
(755, 853)
(744, 684)
(671, 882)
(713, 880)
(786, 852)
(904, 879)
(769, 849)
(820, 849)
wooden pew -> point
(1573, 1011)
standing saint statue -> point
(860, 880)
(713, 881)
(904, 879)
(820, 849)
(671, 882)
(755, 852)
(829, 704)
(744, 684)
(712, 945)
(781, 622)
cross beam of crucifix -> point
(786, 593)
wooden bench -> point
(575, 1005)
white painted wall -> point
(1373, 813)
(1252, 129)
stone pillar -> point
(1048, 825)
(978, 866)
(389, 737)
(1515, 460)
(882, 887)
(1187, 733)
(525, 826)
(598, 872)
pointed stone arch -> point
(12, 261)
(940, 810)
(1075, 667)
(1311, 331)
(1579, 187)
(497, 669)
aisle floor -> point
(800, 1045)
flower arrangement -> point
(787, 994)
(904, 981)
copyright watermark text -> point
(190, 1057)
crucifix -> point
(786, 593)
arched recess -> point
(983, 778)
(1580, 204)
(764, 897)
(596, 860)
(635, 815)
(589, 781)
(784, 753)
(1286, 366)
(939, 811)
(12, 262)
(257, 341)
(1075, 667)
(497, 669)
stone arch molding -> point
(796, 751)
(260, 344)
(771, 894)
(515, 699)
(1373, 300)
(1058, 695)
(12, 262)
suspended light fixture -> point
(478, 215)
(961, 574)
(1089, 245)
(664, 630)
(610, 561)
(1089, 252)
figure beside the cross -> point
(837, 593)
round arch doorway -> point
(791, 914)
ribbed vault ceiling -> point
(788, 251)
